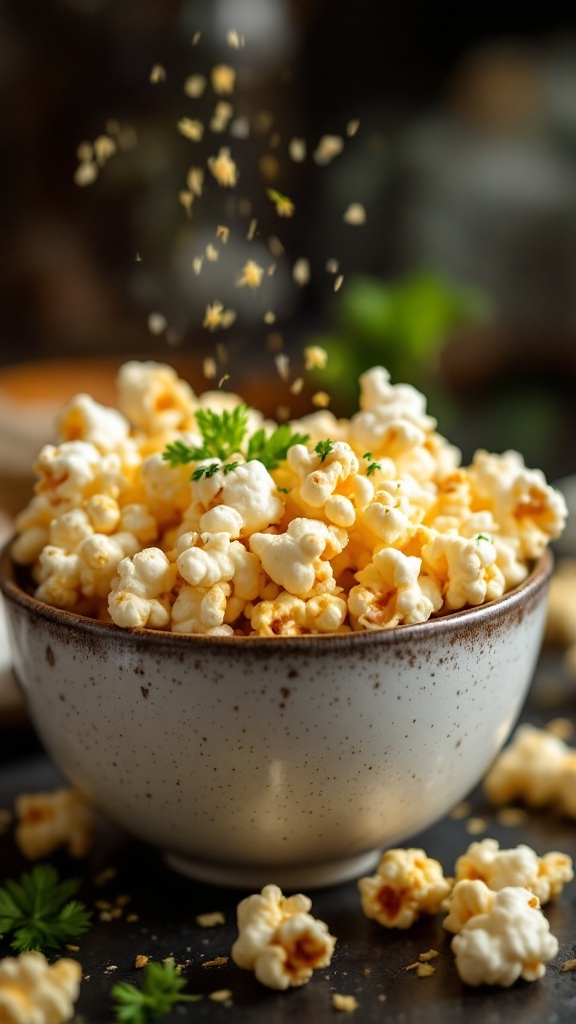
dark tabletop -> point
(369, 962)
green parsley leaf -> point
(208, 471)
(39, 912)
(482, 536)
(222, 434)
(161, 990)
(272, 450)
(323, 448)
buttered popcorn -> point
(47, 821)
(407, 884)
(195, 514)
(32, 991)
(280, 940)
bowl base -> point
(305, 876)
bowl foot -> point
(291, 878)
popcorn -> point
(47, 821)
(83, 419)
(153, 398)
(32, 991)
(139, 595)
(406, 885)
(469, 897)
(522, 503)
(367, 523)
(280, 940)
(508, 940)
(294, 559)
(529, 768)
(465, 568)
(520, 866)
(392, 592)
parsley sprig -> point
(223, 434)
(161, 990)
(323, 448)
(39, 912)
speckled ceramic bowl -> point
(294, 759)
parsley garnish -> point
(208, 471)
(223, 434)
(373, 465)
(482, 536)
(272, 450)
(323, 448)
(38, 910)
(161, 990)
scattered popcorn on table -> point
(152, 516)
(508, 939)
(544, 876)
(528, 769)
(406, 885)
(47, 821)
(32, 991)
(280, 940)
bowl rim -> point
(479, 615)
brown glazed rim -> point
(481, 615)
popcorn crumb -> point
(569, 965)
(352, 127)
(301, 271)
(315, 357)
(223, 233)
(190, 129)
(251, 275)
(221, 995)
(157, 323)
(422, 970)
(194, 86)
(297, 150)
(223, 78)
(347, 1004)
(355, 213)
(282, 362)
(475, 826)
(223, 168)
(157, 74)
(338, 282)
(235, 40)
(461, 810)
(218, 961)
(430, 955)
(211, 919)
(321, 399)
(512, 817)
(141, 960)
(328, 147)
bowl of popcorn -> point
(272, 650)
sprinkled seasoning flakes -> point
(282, 365)
(190, 129)
(297, 150)
(346, 1004)
(330, 146)
(223, 79)
(250, 275)
(284, 206)
(301, 271)
(157, 323)
(194, 86)
(158, 74)
(315, 357)
(223, 168)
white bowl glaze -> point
(294, 759)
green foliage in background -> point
(402, 325)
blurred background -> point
(434, 232)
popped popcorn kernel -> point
(32, 991)
(519, 866)
(528, 769)
(47, 821)
(280, 940)
(406, 885)
(511, 939)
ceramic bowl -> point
(286, 759)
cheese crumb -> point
(346, 1004)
